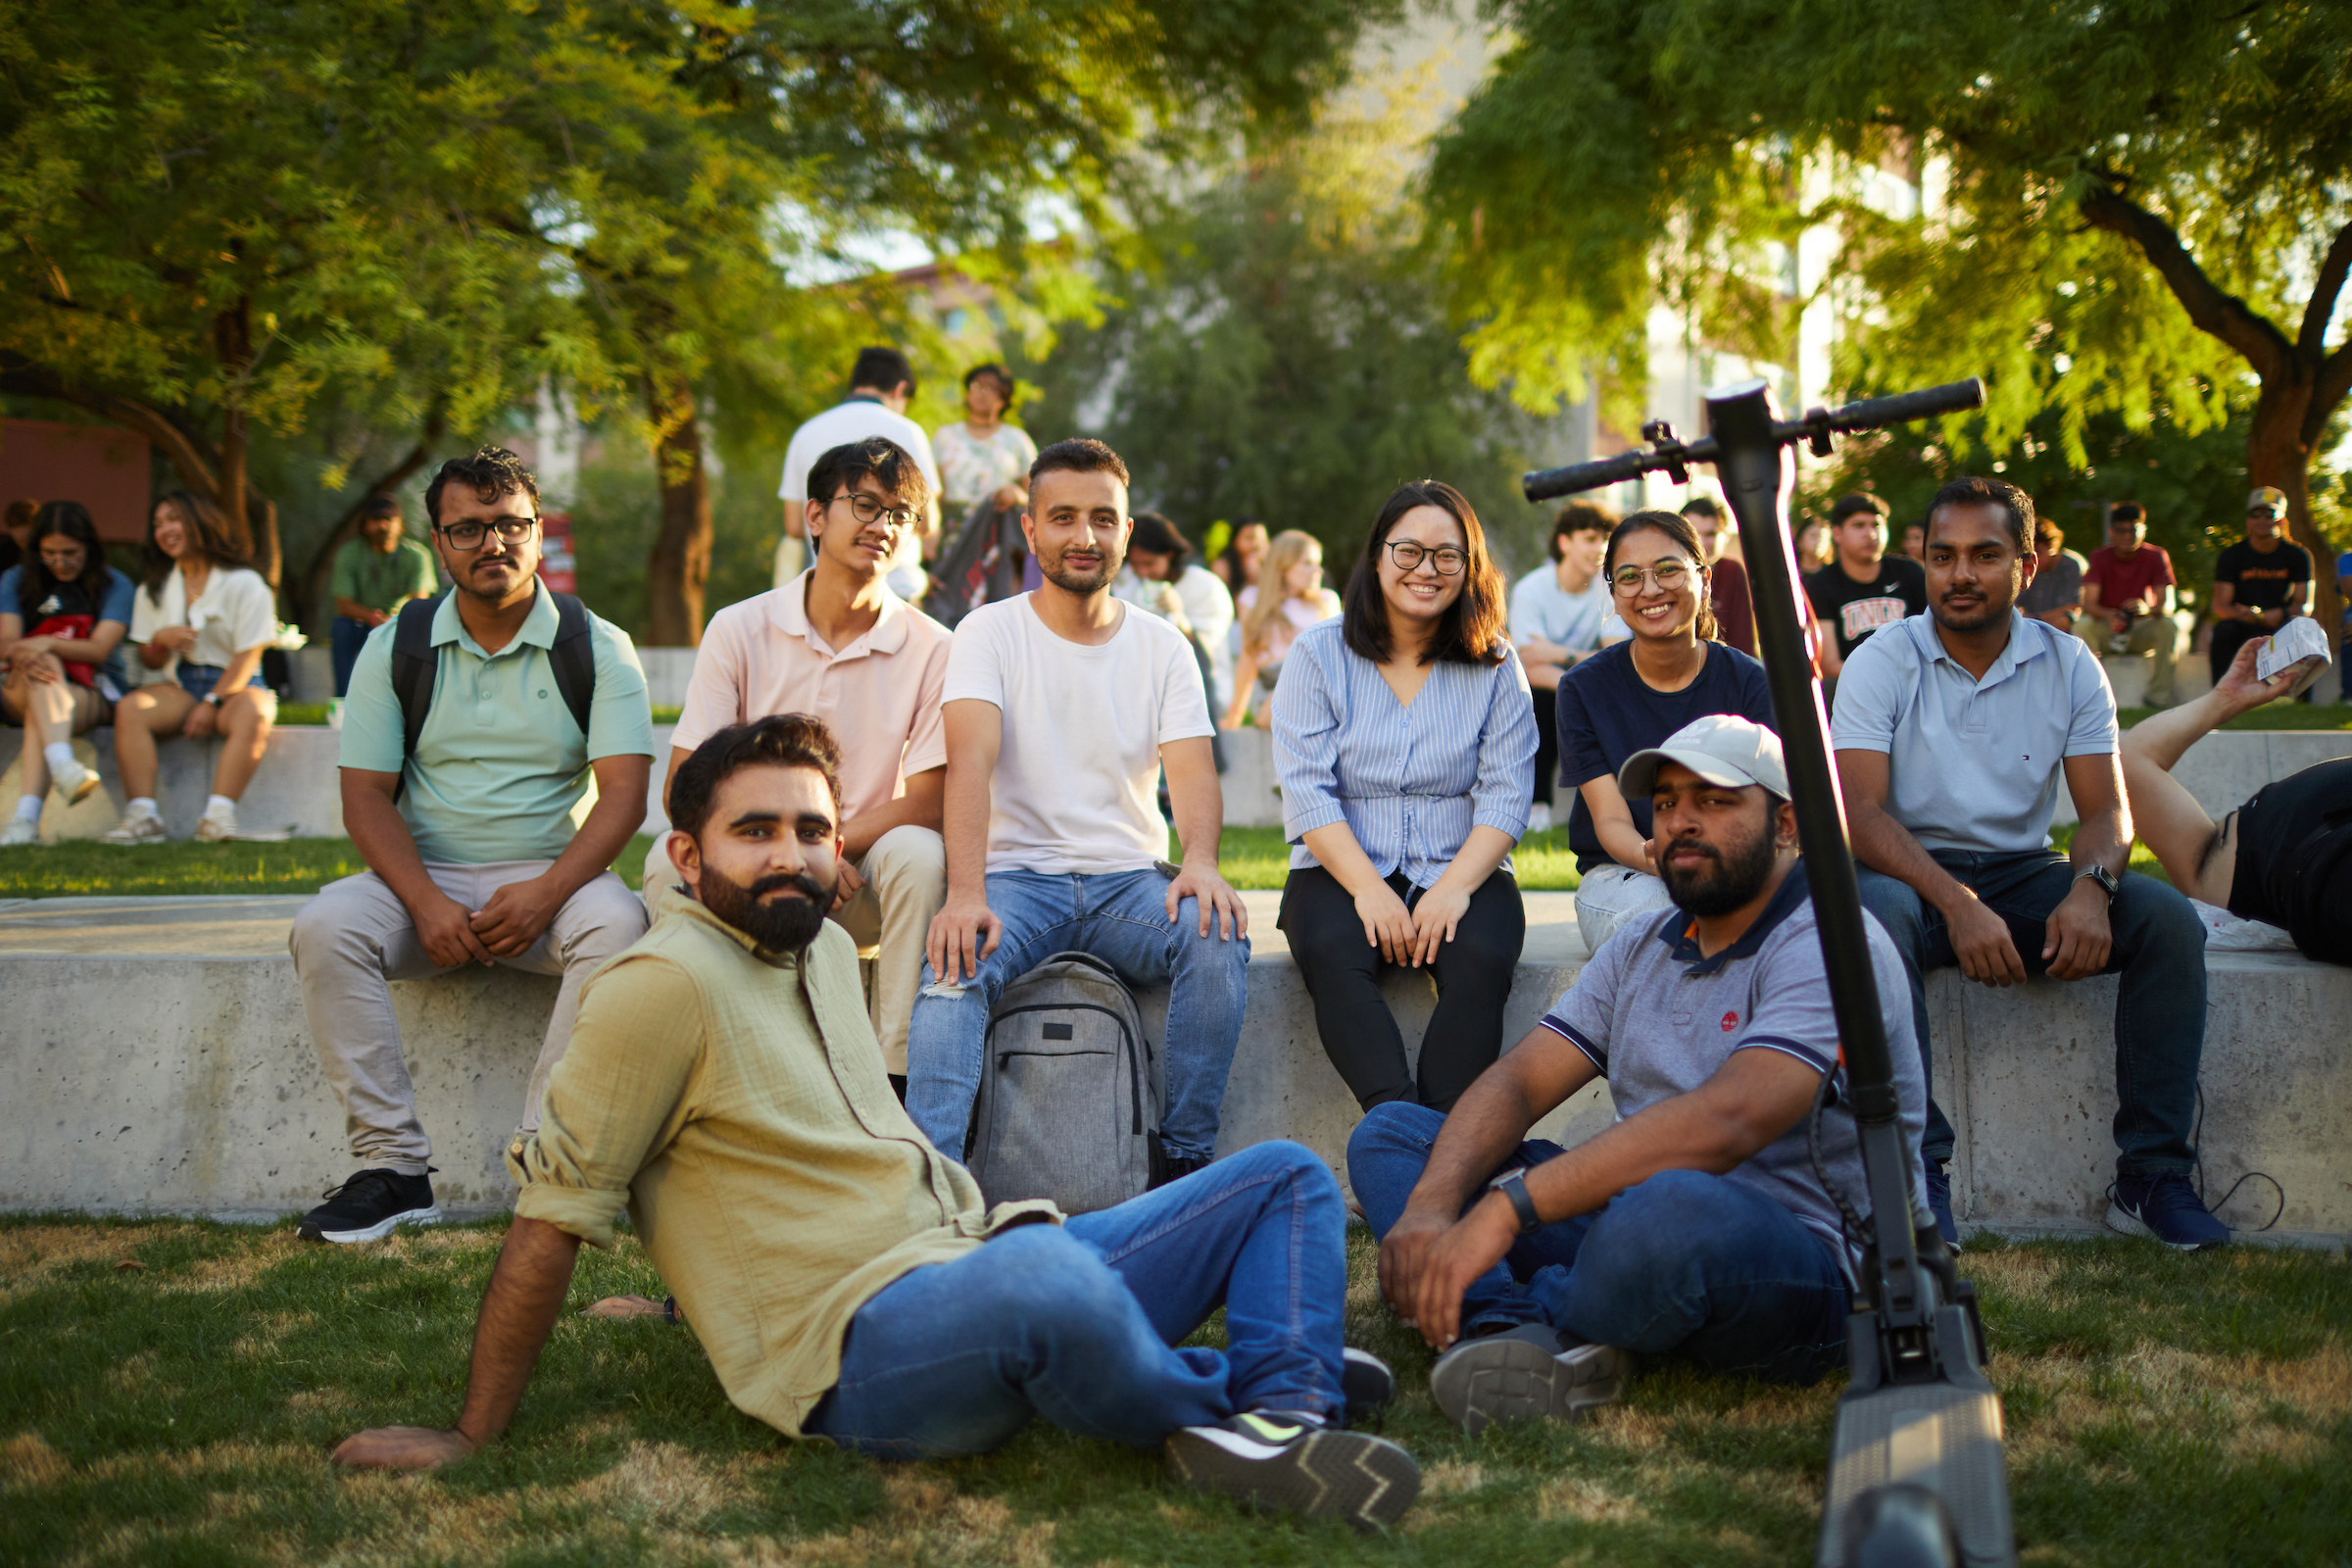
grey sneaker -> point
(212, 829)
(141, 828)
(73, 781)
(1531, 1373)
(1272, 1460)
(18, 833)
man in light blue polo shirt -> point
(1952, 731)
(483, 844)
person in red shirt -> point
(1734, 612)
(2127, 592)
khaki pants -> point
(2149, 634)
(905, 875)
(356, 937)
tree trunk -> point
(680, 563)
(2277, 455)
(306, 594)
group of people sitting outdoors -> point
(851, 779)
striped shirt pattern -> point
(1410, 781)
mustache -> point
(781, 880)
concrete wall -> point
(207, 1095)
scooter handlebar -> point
(1549, 482)
(1876, 414)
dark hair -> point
(380, 504)
(1704, 506)
(1578, 516)
(1981, 492)
(780, 740)
(884, 368)
(217, 539)
(2126, 512)
(1677, 527)
(20, 514)
(1854, 505)
(1079, 455)
(1002, 376)
(73, 519)
(490, 474)
(1156, 535)
(1471, 631)
(879, 458)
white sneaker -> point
(73, 781)
(20, 833)
(144, 828)
(1539, 818)
(212, 829)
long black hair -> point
(69, 519)
(1677, 527)
(221, 542)
(1471, 631)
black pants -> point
(2229, 636)
(1342, 971)
(1547, 742)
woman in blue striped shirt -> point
(1405, 744)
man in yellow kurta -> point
(843, 1275)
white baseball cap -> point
(1723, 749)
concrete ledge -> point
(206, 1095)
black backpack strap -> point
(573, 657)
(414, 664)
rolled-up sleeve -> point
(616, 1098)
(1506, 750)
(1306, 745)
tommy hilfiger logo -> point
(1731, 1021)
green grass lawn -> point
(2160, 1411)
(2275, 715)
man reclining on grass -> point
(841, 1273)
(1697, 1224)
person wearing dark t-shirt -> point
(1727, 575)
(2284, 857)
(2260, 583)
(2128, 592)
(1630, 696)
(1863, 587)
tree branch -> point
(2312, 341)
(2328, 391)
(2210, 308)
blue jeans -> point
(2159, 1006)
(1122, 918)
(1684, 1263)
(346, 638)
(1077, 1322)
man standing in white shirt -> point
(836, 644)
(1556, 615)
(1062, 708)
(880, 384)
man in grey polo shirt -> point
(1697, 1224)
(470, 840)
(1953, 730)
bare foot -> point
(625, 1307)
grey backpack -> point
(1069, 1104)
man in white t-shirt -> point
(880, 383)
(1062, 708)
(836, 644)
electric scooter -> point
(1917, 1475)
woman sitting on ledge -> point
(62, 613)
(1405, 744)
(202, 620)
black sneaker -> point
(367, 1206)
(1274, 1460)
(1529, 1373)
(1176, 1167)
(2166, 1207)
(1940, 1203)
(1366, 1385)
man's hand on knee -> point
(962, 935)
(518, 915)
(1981, 942)
(2080, 937)
(402, 1449)
(445, 929)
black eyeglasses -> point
(1408, 557)
(868, 511)
(470, 535)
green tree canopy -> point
(2134, 205)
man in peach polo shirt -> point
(835, 643)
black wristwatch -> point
(1513, 1184)
(2105, 878)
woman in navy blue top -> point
(1405, 742)
(1630, 696)
(62, 613)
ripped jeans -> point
(1120, 917)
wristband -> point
(212, 699)
(1513, 1184)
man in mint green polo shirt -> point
(486, 845)
(374, 575)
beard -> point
(1724, 881)
(1074, 581)
(786, 925)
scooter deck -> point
(1940, 1435)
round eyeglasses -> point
(470, 535)
(1669, 576)
(1408, 554)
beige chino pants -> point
(356, 937)
(905, 875)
